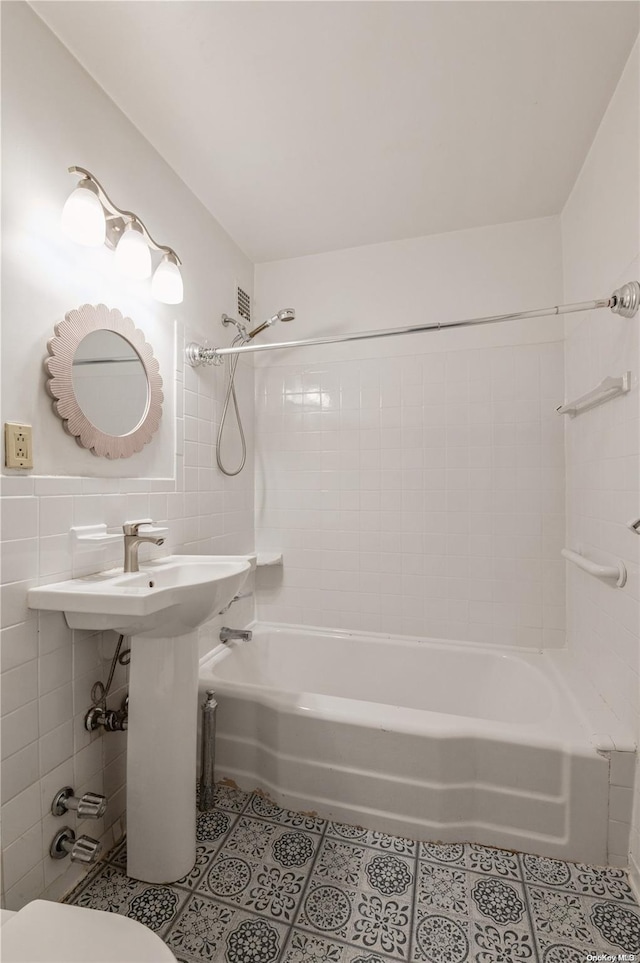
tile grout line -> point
(414, 907)
(348, 945)
(305, 888)
(530, 920)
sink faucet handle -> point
(131, 528)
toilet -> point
(46, 932)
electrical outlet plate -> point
(18, 448)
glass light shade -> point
(166, 285)
(83, 218)
(133, 257)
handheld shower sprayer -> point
(286, 314)
(243, 336)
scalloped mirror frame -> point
(77, 324)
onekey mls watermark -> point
(612, 958)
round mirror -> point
(110, 383)
(104, 380)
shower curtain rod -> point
(624, 301)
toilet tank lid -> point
(47, 932)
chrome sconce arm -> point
(117, 219)
(92, 219)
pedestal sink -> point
(159, 607)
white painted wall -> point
(416, 484)
(54, 115)
(601, 249)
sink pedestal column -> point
(161, 758)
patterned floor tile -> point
(214, 826)
(352, 955)
(344, 863)
(229, 798)
(496, 862)
(251, 837)
(560, 916)
(157, 907)
(617, 927)
(327, 909)
(544, 871)
(113, 892)
(110, 891)
(497, 901)
(200, 930)
(449, 854)
(273, 842)
(553, 952)
(605, 882)
(440, 939)
(376, 840)
(205, 854)
(310, 948)
(264, 808)
(480, 859)
(586, 924)
(264, 888)
(273, 886)
(340, 862)
(207, 930)
(489, 913)
(443, 889)
(495, 944)
(368, 920)
(382, 924)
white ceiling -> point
(312, 126)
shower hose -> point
(231, 394)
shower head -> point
(285, 314)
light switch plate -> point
(18, 446)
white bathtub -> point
(431, 740)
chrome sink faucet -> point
(132, 541)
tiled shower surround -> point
(274, 886)
(416, 494)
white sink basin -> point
(159, 608)
(167, 597)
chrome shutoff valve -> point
(113, 720)
(91, 805)
(84, 849)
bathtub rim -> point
(595, 726)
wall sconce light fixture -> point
(91, 218)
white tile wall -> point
(622, 766)
(48, 670)
(420, 494)
(601, 249)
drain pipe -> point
(208, 754)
